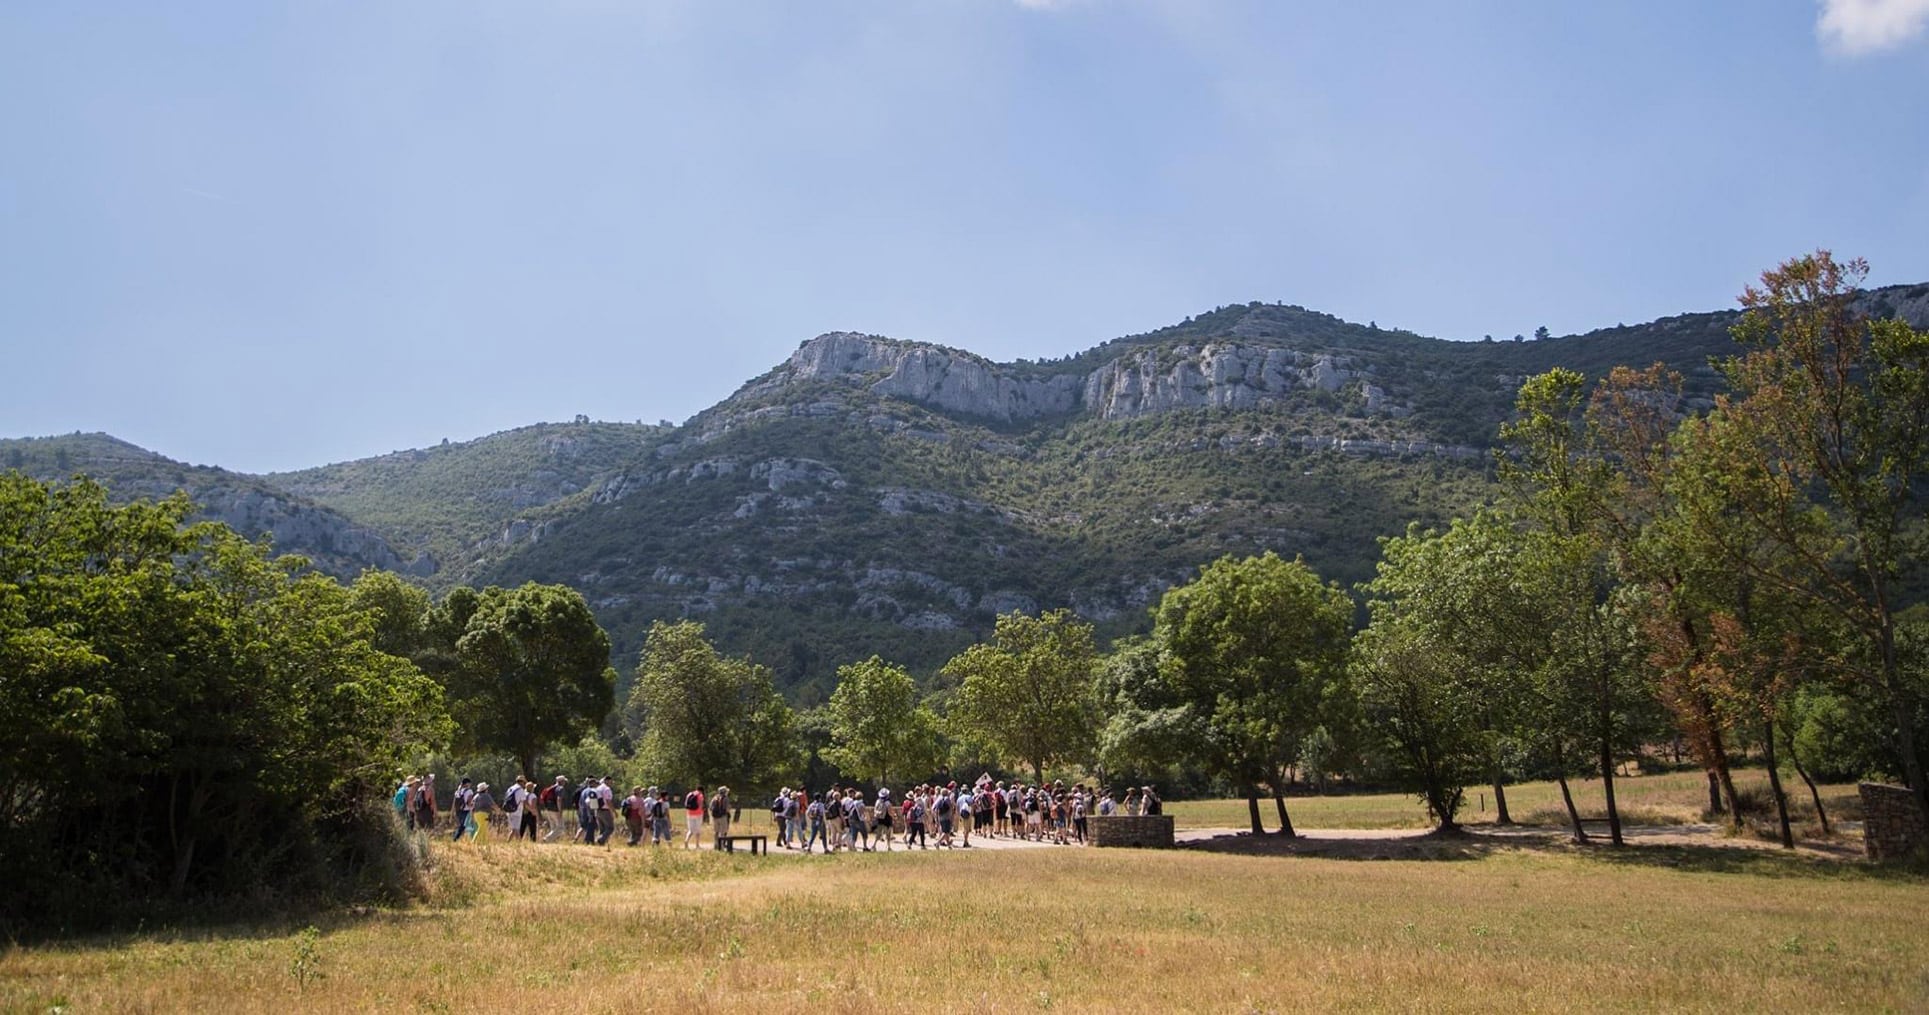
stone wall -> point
(1892, 823)
(1152, 831)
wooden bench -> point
(758, 843)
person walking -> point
(424, 805)
(659, 818)
(512, 808)
(633, 811)
(720, 818)
(914, 822)
(814, 813)
(464, 801)
(551, 804)
(882, 819)
(693, 815)
(482, 807)
(605, 811)
(401, 802)
(586, 811)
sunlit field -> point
(1668, 798)
(558, 927)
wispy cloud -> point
(1855, 27)
(1047, 5)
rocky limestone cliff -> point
(1258, 355)
(1216, 375)
(1138, 382)
(945, 379)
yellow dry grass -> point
(543, 928)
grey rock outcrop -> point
(945, 379)
(1228, 375)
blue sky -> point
(267, 236)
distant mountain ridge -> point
(871, 494)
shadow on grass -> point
(1751, 860)
(1462, 845)
(1702, 858)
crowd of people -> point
(929, 816)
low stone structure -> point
(1892, 822)
(1153, 831)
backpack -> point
(659, 809)
(692, 801)
(719, 807)
(547, 798)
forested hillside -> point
(873, 495)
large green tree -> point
(1253, 644)
(879, 729)
(1467, 594)
(179, 711)
(1829, 422)
(1566, 489)
(1426, 703)
(698, 716)
(1027, 694)
(530, 667)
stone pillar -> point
(1892, 824)
(1153, 831)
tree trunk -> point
(1727, 779)
(1285, 823)
(1714, 791)
(528, 763)
(1501, 817)
(1821, 813)
(1775, 784)
(1906, 740)
(1573, 814)
(1252, 809)
(1607, 784)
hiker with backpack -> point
(605, 811)
(512, 807)
(777, 805)
(550, 803)
(633, 814)
(659, 818)
(465, 796)
(584, 803)
(814, 814)
(881, 819)
(693, 817)
(720, 817)
(423, 806)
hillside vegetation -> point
(872, 495)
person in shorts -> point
(693, 816)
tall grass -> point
(556, 928)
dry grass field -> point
(550, 928)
